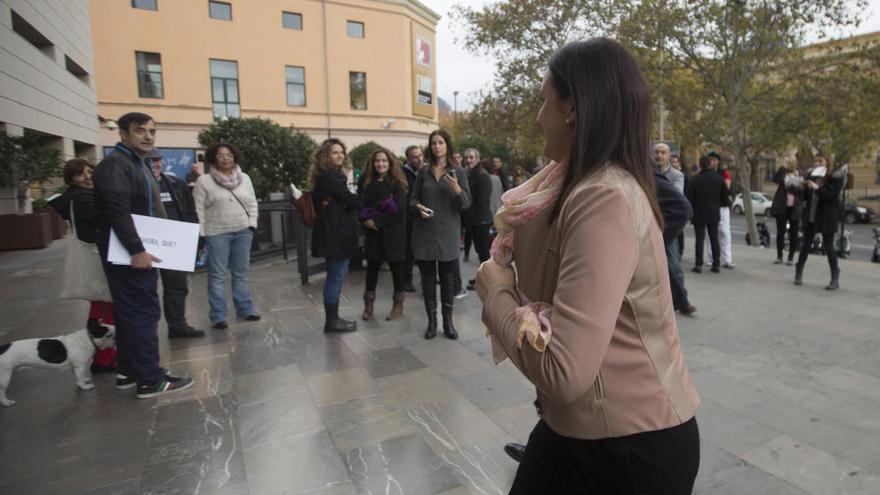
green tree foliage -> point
(27, 158)
(521, 35)
(273, 156)
(731, 73)
(24, 160)
(748, 71)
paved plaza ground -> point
(789, 376)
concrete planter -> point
(31, 231)
(59, 225)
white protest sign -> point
(175, 243)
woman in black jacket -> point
(383, 195)
(79, 200)
(787, 206)
(439, 195)
(821, 216)
(334, 235)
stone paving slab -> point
(790, 378)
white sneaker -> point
(461, 295)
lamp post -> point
(455, 108)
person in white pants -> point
(724, 239)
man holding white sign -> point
(124, 185)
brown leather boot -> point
(369, 297)
(397, 309)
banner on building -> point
(424, 90)
(423, 72)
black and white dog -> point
(72, 350)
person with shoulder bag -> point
(227, 209)
(334, 236)
(83, 274)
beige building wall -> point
(187, 39)
(47, 76)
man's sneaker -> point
(461, 294)
(165, 386)
(126, 382)
(729, 266)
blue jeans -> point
(336, 272)
(233, 250)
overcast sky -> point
(467, 73)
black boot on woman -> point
(333, 323)
(448, 328)
(835, 278)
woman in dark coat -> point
(80, 200)
(821, 215)
(383, 195)
(334, 235)
(439, 195)
(787, 206)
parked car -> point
(760, 204)
(853, 212)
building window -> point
(357, 87)
(145, 4)
(296, 86)
(355, 29)
(75, 69)
(31, 35)
(292, 20)
(224, 88)
(220, 10)
(149, 75)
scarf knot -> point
(520, 205)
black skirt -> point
(663, 462)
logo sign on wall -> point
(424, 90)
(423, 52)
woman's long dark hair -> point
(429, 153)
(613, 113)
(395, 174)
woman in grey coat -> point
(439, 195)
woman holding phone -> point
(439, 195)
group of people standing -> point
(812, 202)
(410, 215)
(131, 180)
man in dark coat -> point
(706, 192)
(480, 214)
(670, 193)
(411, 169)
(178, 202)
(124, 185)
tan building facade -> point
(358, 70)
(47, 84)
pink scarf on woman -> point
(520, 205)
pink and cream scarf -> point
(520, 205)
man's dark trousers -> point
(136, 310)
(482, 240)
(174, 292)
(676, 277)
(700, 231)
